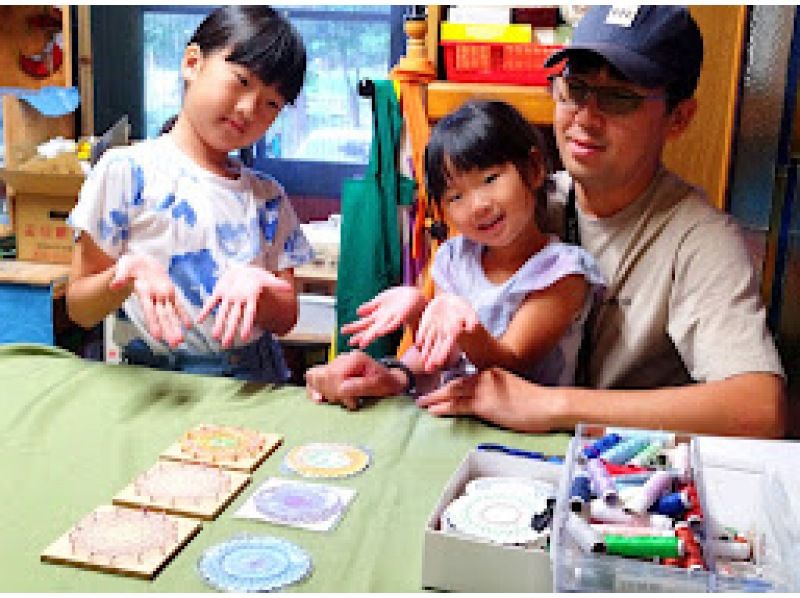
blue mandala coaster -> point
(254, 564)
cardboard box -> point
(316, 314)
(454, 563)
(42, 203)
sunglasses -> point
(575, 93)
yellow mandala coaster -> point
(230, 447)
(327, 460)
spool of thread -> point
(673, 505)
(542, 521)
(602, 512)
(625, 450)
(648, 494)
(735, 551)
(643, 546)
(694, 562)
(584, 535)
(659, 521)
(679, 460)
(580, 492)
(683, 532)
(614, 470)
(606, 442)
(694, 516)
(667, 438)
(647, 456)
(632, 479)
(690, 488)
(631, 530)
(601, 483)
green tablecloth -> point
(73, 433)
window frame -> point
(299, 177)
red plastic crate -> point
(484, 62)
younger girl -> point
(507, 294)
(174, 229)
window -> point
(326, 135)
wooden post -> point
(85, 70)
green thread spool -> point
(643, 546)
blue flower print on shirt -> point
(185, 211)
(169, 200)
(268, 218)
(297, 248)
(137, 185)
(236, 241)
(195, 273)
(116, 229)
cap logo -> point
(621, 15)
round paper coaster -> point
(536, 490)
(254, 564)
(298, 503)
(500, 518)
(327, 460)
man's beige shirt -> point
(682, 302)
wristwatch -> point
(392, 363)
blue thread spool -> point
(625, 450)
(632, 479)
(603, 444)
(580, 492)
(673, 505)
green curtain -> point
(369, 255)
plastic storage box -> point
(575, 570)
(475, 62)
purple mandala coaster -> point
(298, 503)
(308, 505)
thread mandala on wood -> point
(118, 533)
(172, 482)
(213, 443)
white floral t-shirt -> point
(152, 199)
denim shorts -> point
(260, 361)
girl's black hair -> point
(481, 134)
(261, 40)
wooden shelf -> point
(534, 103)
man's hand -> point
(164, 317)
(237, 293)
(351, 376)
(387, 312)
(497, 396)
(445, 319)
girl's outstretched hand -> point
(387, 312)
(442, 323)
(163, 314)
(237, 292)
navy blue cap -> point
(652, 46)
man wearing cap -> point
(679, 340)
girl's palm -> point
(444, 320)
(387, 312)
